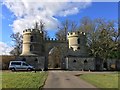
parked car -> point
(20, 65)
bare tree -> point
(17, 39)
(64, 28)
(41, 27)
(73, 26)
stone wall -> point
(113, 64)
(4, 61)
(78, 63)
(36, 61)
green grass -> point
(109, 80)
(23, 79)
(0, 79)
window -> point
(78, 48)
(74, 61)
(71, 48)
(85, 61)
(25, 64)
(105, 65)
(78, 40)
(36, 59)
(16, 63)
(31, 47)
(31, 38)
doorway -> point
(86, 65)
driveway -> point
(66, 79)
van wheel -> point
(29, 69)
(13, 69)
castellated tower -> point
(77, 42)
(32, 42)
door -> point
(17, 65)
(86, 67)
(24, 66)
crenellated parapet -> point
(32, 42)
(32, 31)
(75, 34)
(53, 40)
(27, 30)
(77, 43)
(77, 40)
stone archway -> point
(50, 45)
(54, 58)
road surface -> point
(64, 79)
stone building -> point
(77, 57)
(36, 48)
(37, 51)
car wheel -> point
(29, 69)
(13, 69)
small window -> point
(105, 64)
(85, 61)
(78, 40)
(74, 61)
(25, 64)
(16, 63)
(71, 48)
(31, 47)
(78, 48)
(36, 59)
(31, 38)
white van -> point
(20, 65)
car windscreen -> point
(15, 63)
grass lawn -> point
(23, 79)
(0, 79)
(108, 80)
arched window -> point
(78, 40)
(71, 48)
(85, 61)
(86, 66)
(78, 48)
(31, 47)
(105, 65)
(31, 38)
(36, 59)
(74, 61)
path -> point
(64, 79)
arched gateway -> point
(36, 48)
(52, 53)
